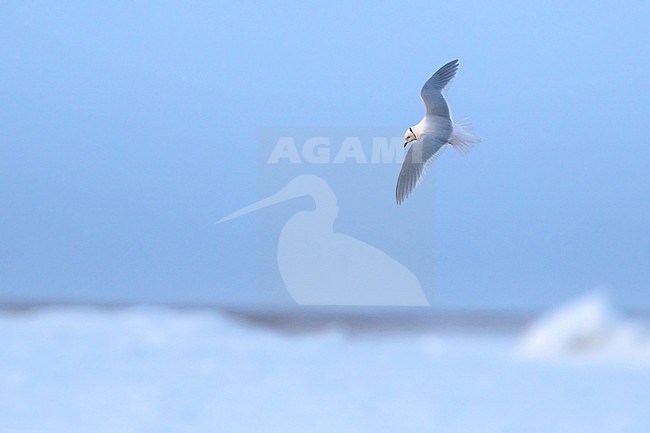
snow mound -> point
(586, 326)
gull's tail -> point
(462, 137)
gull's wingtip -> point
(401, 193)
(451, 64)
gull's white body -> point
(434, 131)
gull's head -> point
(409, 136)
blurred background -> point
(127, 130)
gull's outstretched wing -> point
(431, 93)
(418, 158)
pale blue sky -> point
(127, 130)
